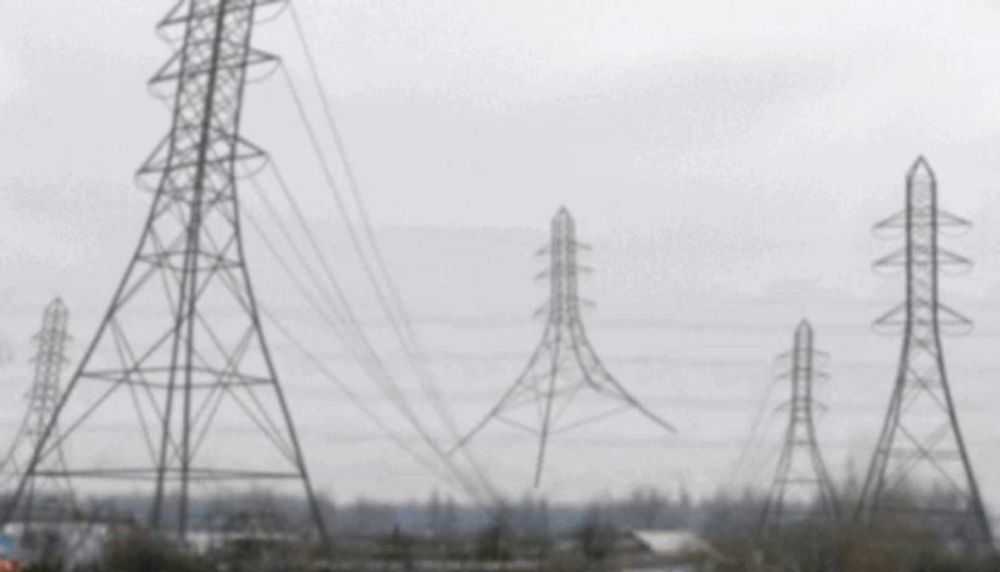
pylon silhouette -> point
(564, 363)
(921, 449)
(801, 475)
(48, 494)
(179, 365)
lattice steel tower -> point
(48, 497)
(179, 368)
(921, 448)
(564, 362)
(801, 475)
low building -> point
(669, 551)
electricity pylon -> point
(179, 370)
(564, 363)
(48, 497)
(801, 475)
(921, 449)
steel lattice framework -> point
(801, 475)
(47, 498)
(921, 448)
(179, 366)
(564, 363)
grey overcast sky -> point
(726, 160)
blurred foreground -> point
(647, 531)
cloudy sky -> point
(725, 159)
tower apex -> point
(921, 168)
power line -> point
(381, 377)
(370, 359)
(403, 332)
(359, 403)
(392, 302)
(754, 427)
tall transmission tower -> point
(179, 374)
(564, 363)
(48, 497)
(801, 475)
(921, 448)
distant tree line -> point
(561, 536)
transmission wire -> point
(382, 425)
(754, 427)
(316, 361)
(392, 302)
(384, 381)
(352, 232)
